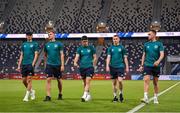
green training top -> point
(29, 49)
(86, 56)
(117, 54)
(152, 52)
(53, 50)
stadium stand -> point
(170, 15)
(130, 15)
(29, 15)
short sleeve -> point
(78, 51)
(124, 52)
(109, 51)
(36, 47)
(161, 47)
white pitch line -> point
(143, 104)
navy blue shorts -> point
(53, 71)
(87, 72)
(154, 71)
(116, 72)
(27, 70)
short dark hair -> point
(154, 31)
(116, 36)
(53, 31)
(29, 33)
(84, 38)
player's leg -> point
(48, 88)
(29, 81)
(58, 74)
(146, 88)
(85, 92)
(114, 87)
(24, 72)
(24, 81)
(87, 88)
(120, 80)
(29, 87)
(60, 88)
(114, 83)
(156, 89)
(49, 73)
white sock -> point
(88, 93)
(145, 95)
(155, 95)
(114, 93)
(120, 92)
(85, 93)
(27, 94)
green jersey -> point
(117, 54)
(53, 49)
(86, 56)
(152, 52)
(28, 49)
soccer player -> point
(87, 56)
(153, 53)
(116, 63)
(54, 61)
(28, 58)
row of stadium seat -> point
(83, 15)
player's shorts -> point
(27, 70)
(53, 71)
(87, 72)
(116, 72)
(154, 71)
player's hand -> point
(18, 69)
(156, 63)
(107, 68)
(33, 64)
(76, 65)
(140, 69)
(62, 68)
(127, 70)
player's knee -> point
(155, 84)
(48, 80)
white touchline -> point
(143, 104)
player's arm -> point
(76, 60)
(94, 60)
(45, 58)
(62, 60)
(35, 58)
(126, 63)
(108, 62)
(160, 58)
(142, 62)
(20, 61)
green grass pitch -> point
(13, 91)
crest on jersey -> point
(119, 50)
(31, 45)
(82, 51)
(112, 50)
(48, 46)
(88, 51)
(155, 46)
(55, 45)
(148, 47)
